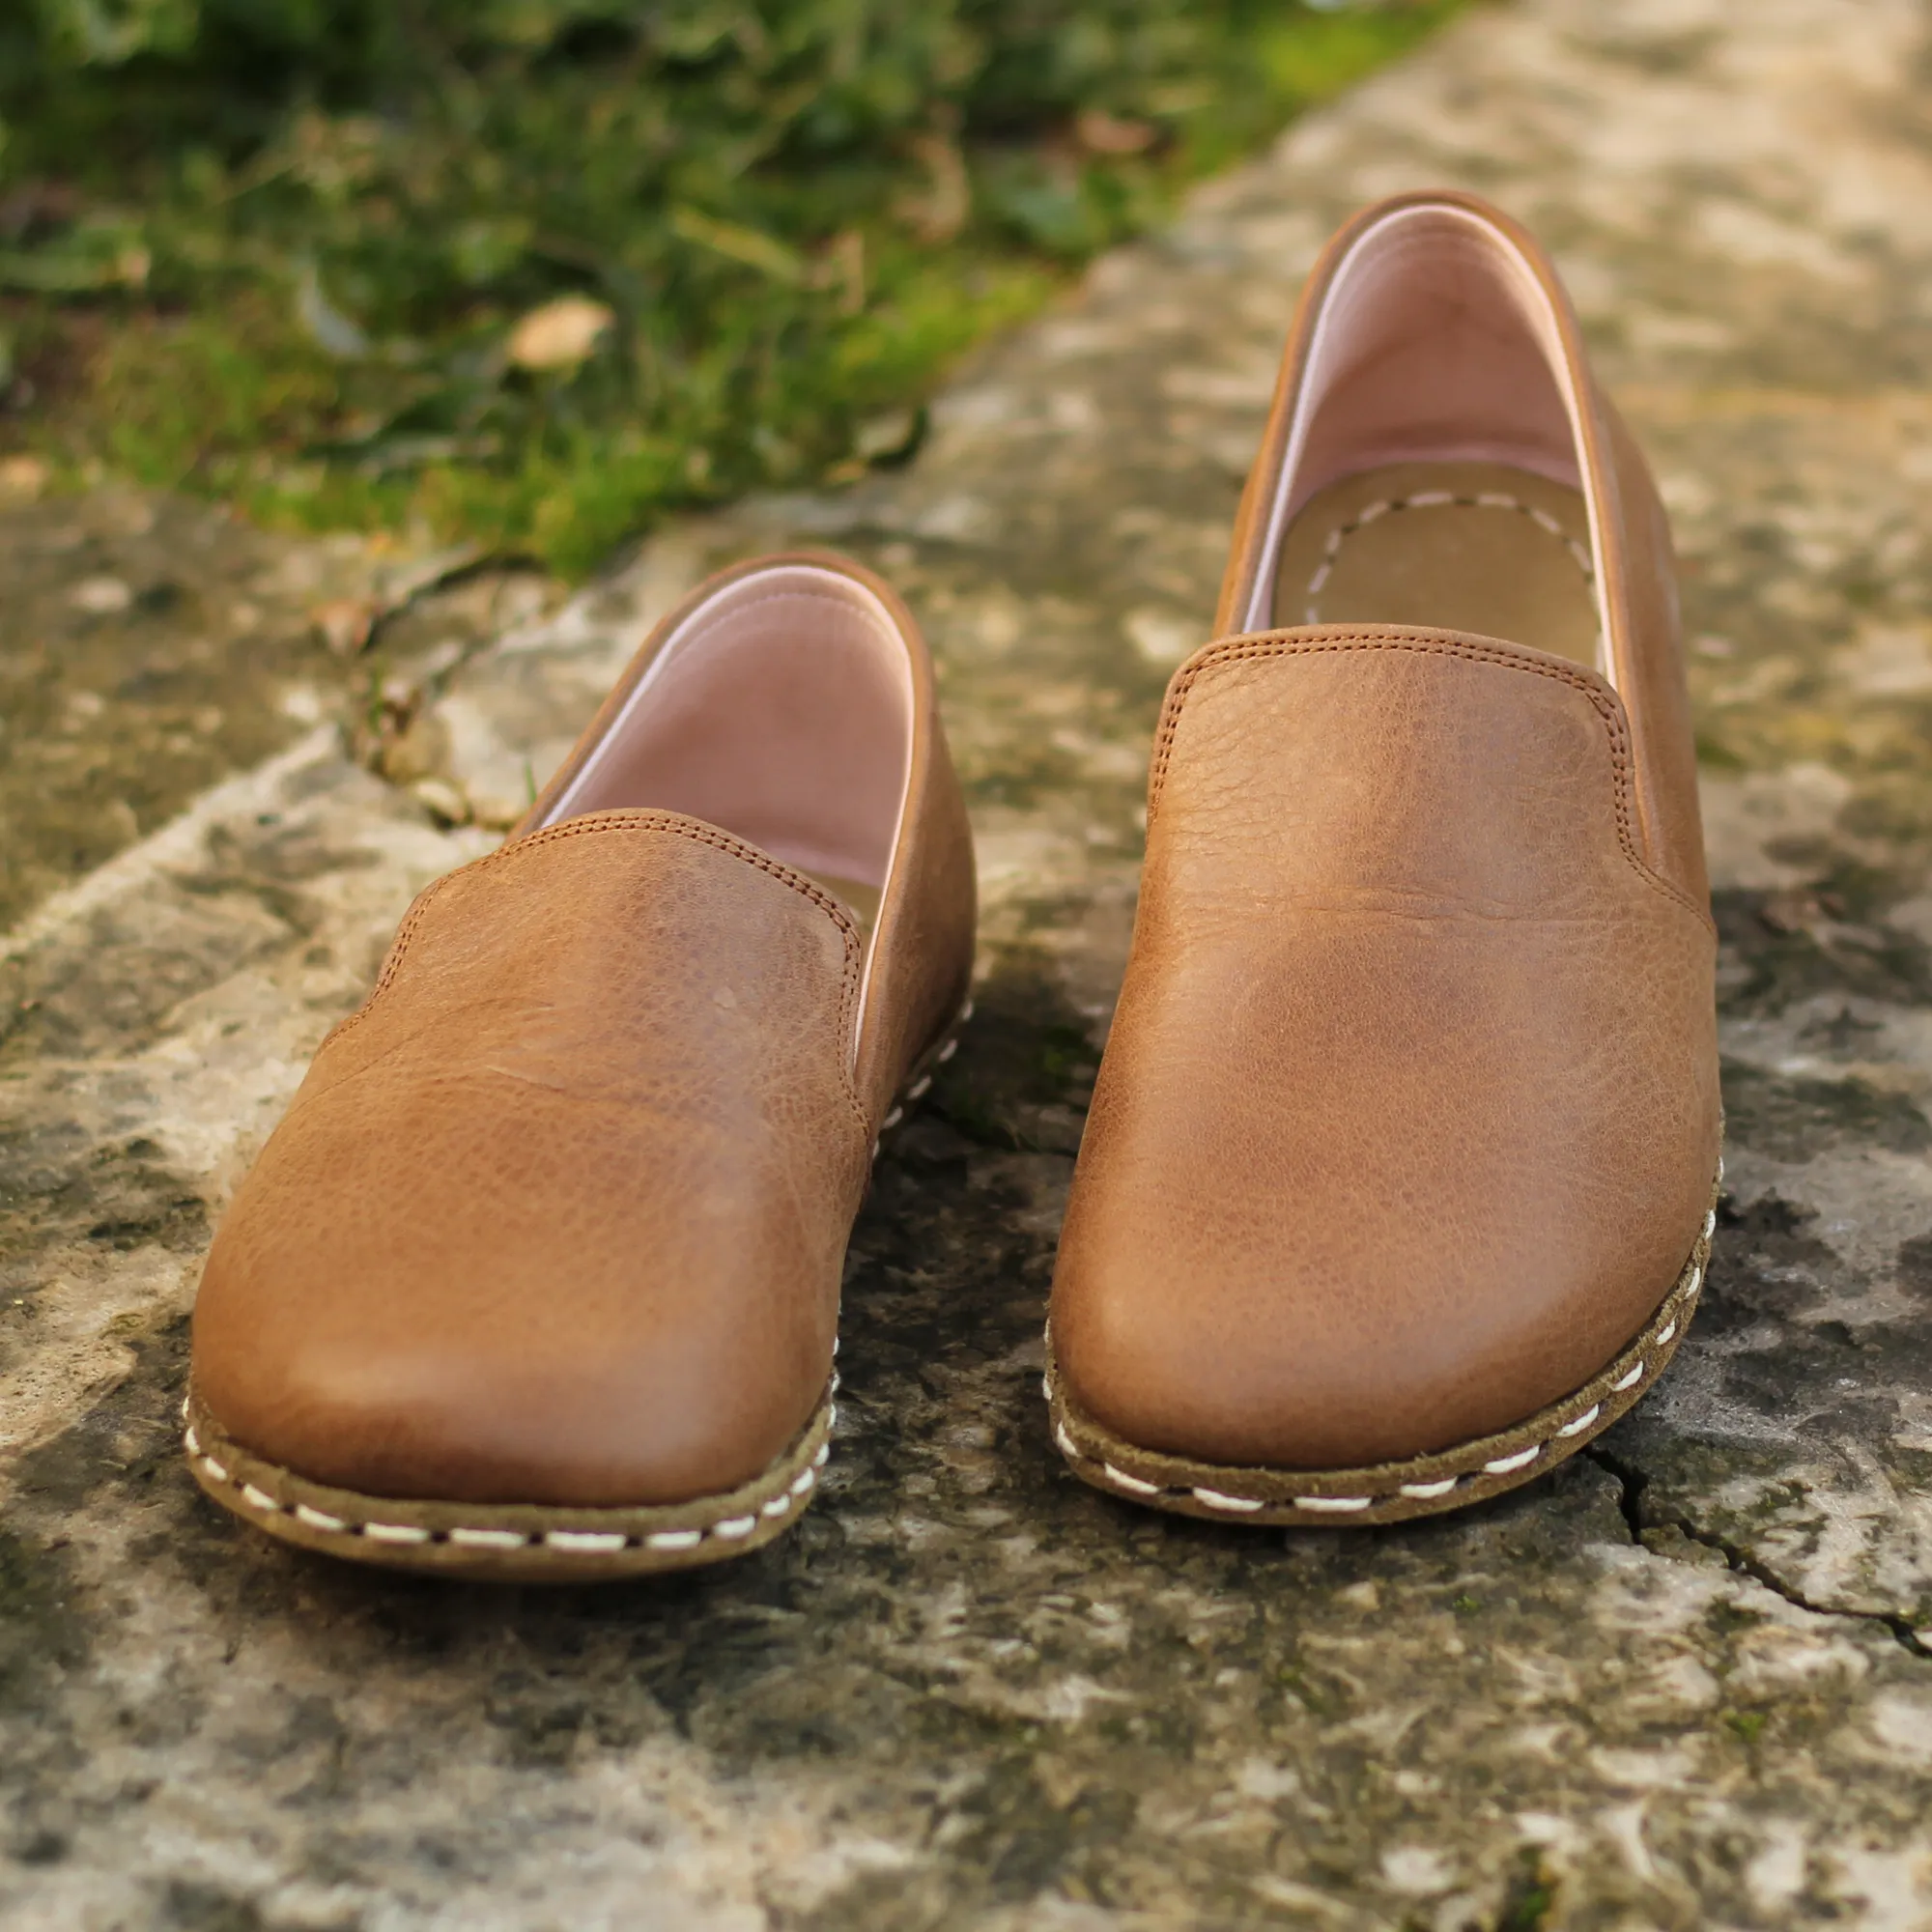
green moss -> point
(1531, 1896)
(1726, 1618)
(1747, 1724)
(275, 252)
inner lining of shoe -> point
(1436, 380)
(780, 710)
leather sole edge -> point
(523, 1542)
(1449, 1479)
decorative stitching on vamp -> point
(700, 833)
(679, 826)
(398, 946)
(1282, 645)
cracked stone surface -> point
(1686, 1682)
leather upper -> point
(560, 1215)
(1408, 1115)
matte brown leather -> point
(559, 1217)
(1408, 1115)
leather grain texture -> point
(1636, 561)
(1409, 1114)
(558, 1217)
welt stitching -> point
(397, 948)
(1568, 1420)
(1238, 650)
(720, 1518)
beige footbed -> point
(532, 1543)
(1449, 1479)
(1480, 547)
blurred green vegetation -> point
(531, 271)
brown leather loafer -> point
(539, 1277)
(1398, 1183)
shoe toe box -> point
(493, 1310)
(1342, 1300)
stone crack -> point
(1634, 1482)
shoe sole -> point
(533, 1543)
(514, 1543)
(1450, 1479)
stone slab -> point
(1686, 1682)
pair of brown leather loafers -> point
(1398, 1183)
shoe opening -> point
(1432, 472)
(780, 710)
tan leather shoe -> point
(539, 1277)
(1398, 1183)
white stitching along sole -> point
(514, 1543)
(1390, 1493)
(531, 1543)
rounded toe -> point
(545, 1356)
(1313, 1354)
(445, 1423)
